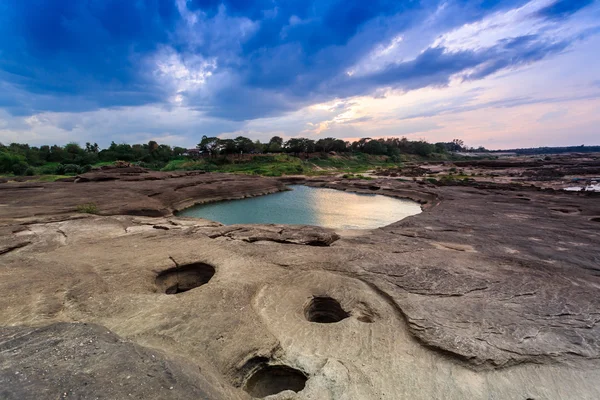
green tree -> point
(152, 146)
(259, 147)
(275, 144)
(228, 146)
(423, 148)
(299, 145)
(375, 147)
(360, 144)
(211, 145)
(243, 144)
(162, 153)
(9, 162)
(330, 144)
(179, 151)
(92, 148)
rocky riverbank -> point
(491, 292)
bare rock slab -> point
(87, 361)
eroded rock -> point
(301, 234)
(481, 295)
(87, 361)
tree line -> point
(214, 146)
(23, 159)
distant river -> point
(309, 206)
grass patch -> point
(352, 164)
(88, 208)
(51, 178)
(264, 165)
(276, 165)
(103, 164)
(357, 176)
(283, 164)
(40, 178)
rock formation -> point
(491, 292)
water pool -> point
(305, 205)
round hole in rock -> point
(273, 379)
(595, 219)
(184, 277)
(325, 310)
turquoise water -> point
(309, 206)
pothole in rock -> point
(595, 219)
(273, 379)
(184, 277)
(565, 210)
(325, 310)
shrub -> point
(88, 208)
(357, 176)
(30, 171)
(9, 162)
(19, 168)
(220, 161)
(156, 165)
(72, 169)
(48, 169)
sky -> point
(494, 73)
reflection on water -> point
(309, 206)
(589, 188)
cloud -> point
(563, 8)
(237, 59)
(442, 108)
(436, 66)
(261, 65)
(287, 72)
(553, 115)
(87, 52)
(173, 125)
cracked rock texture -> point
(490, 293)
(88, 361)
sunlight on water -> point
(309, 206)
(589, 188)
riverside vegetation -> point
(240, 155)
(212, 154)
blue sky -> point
(496, 73)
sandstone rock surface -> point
(71, 360)
(491, 292)
(137, 192)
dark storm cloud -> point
(80, 55)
